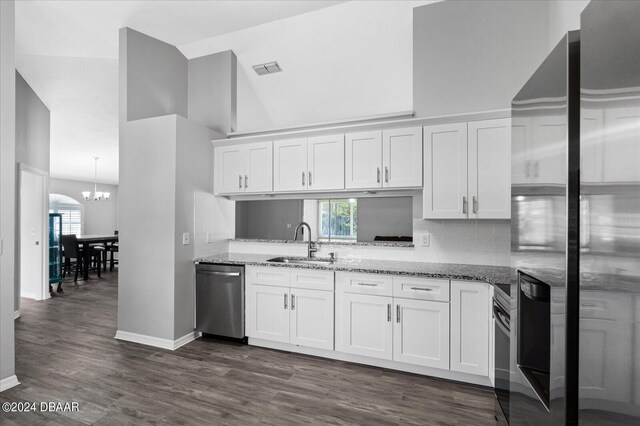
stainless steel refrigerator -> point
(575, 249)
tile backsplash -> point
(479, 242)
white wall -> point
(7, 192)
(156, 77)
(349, 60)
(33, 127)
(100, 217)
(194, 174)
(564, 16)
(147, 227)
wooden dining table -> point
(86, 240)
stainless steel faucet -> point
(311, 246)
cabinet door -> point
(325, 159)
(363, 160)
(259, 167)
(621, 147)
(470, 318)
(367, 327)
(520, 146)
(421, 333)
(311, 320)
(445, 172)
(490, 169)
(229, 175)
(549, 146)
(267, 313)
(402, 157)
(290, 165)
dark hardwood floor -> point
(65, 351)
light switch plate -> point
(185, 239)
(209, 237)
(426, 240)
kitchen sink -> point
(302, 260)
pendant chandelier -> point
(97, 196)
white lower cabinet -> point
(470, 318)
(267, 313)
(421, 333)
(311, 318)
(366, 325)
(282, 313)
(424, 322)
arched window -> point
(71, 211)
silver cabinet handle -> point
(464, 205)
(293, 302)
(309, 178)
(536, 169)
(302, 178)
(421, 288)
(220, 274)
(475, 204)
(388, 312)
(386, 174)
(527, 169)
(285, 300)
(240, 181)
(368, 284)
(246, 180)
(378, 175)
(397, 313)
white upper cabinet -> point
(467, 170)
(290, 165)
(243, 168)
(363, 160)
(621, 149)
(445, 171)
(520, 145)
(548, 159)
(325, 160)
(402, 157)
(258, 175)
(490, 169)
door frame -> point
(43, 293)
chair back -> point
(70, 246)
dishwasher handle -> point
(220, 274)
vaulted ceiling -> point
(68, 52)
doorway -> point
(33, 236)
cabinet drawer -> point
(377, 284)
(421, 288)
(267, 276)
(312, 279)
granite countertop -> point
(490, 274)
(329, 243)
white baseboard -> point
(8, 383)
(158, 342)
(16, 314)
(383, 363)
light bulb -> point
(86, 195)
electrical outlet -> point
(426, 240)
(209, 237)
(185, 239)
(288, 225)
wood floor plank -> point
(65, 351)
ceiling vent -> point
(268, 68)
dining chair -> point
(73, 256)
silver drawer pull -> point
(421, 288)
(368, 284)
(223, 274)
(388, 312)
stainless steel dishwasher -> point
(220, 300)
